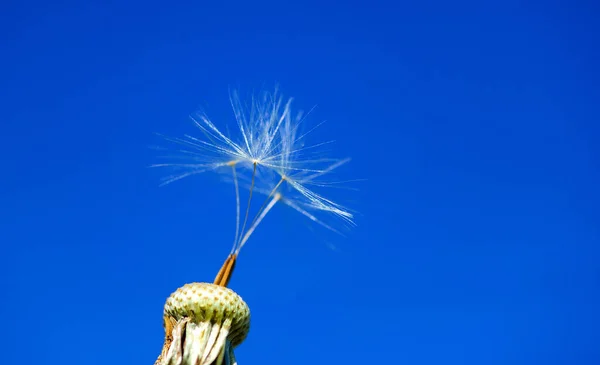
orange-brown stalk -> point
(226, 271)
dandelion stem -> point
(237, 208)
(249, 201)
(258, 220)
(226, 271)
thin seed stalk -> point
(258, 220)
(249, 201)
(237, 208)
(266, 200)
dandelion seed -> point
(269, 141)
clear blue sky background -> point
(475, 127)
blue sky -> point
(474, 126)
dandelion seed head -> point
(267, 155)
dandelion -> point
(268, 157)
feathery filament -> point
(269, 149)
